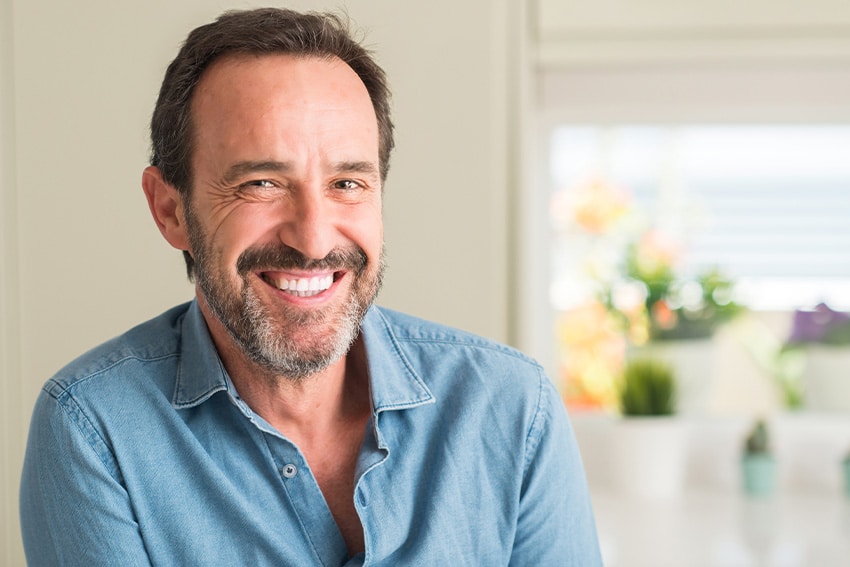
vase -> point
(827, 378)
(759, 475)
(648, 457)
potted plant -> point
(845, 466)
(650, 446)
(676, 316)
(757, 462)
(648, 387)
(822, 335)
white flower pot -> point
(648, 457)
(827, 378)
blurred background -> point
(650, 197)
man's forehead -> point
(286, 64)
(249, 104)
(280, 80)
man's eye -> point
(262, 183)
(259, 187)
(346, 185)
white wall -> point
(81, 261)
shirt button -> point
(289, 470)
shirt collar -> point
(393, 379)
(200, 373)
(394, 382)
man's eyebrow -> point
(243, 168)
(366, 167)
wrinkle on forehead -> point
(267, 97)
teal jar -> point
(759, 474)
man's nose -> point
(310, 226)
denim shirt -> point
(142, 453)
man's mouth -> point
(301, 287)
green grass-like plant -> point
(648, 387)
(758, 440)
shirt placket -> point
(317, 524)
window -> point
(740, 163)
(769, 205)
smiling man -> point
(281, 418)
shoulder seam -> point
(57, 389)
(483, 345)
(90, 434)
(538, 424)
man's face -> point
(285, 214)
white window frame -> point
(747, 92)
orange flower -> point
(663, 316)
(656, 253)
(597, 205)
(593, 352)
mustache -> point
(282, 257)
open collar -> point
(394, 382)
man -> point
(281, 418)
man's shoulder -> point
(412, 329)
(421, 334)
(155, 339)
(469, 375)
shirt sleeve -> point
(74, 509)
(556, 524)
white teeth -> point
(304, 287)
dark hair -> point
(257, 32)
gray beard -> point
(267, 339)
(274, 351)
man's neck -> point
(311, 408)
(306, 409)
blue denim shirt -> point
(141, 452)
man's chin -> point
(302, 361)
(317, 339)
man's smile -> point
(300, 286)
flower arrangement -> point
(633, 292)
(653, 303)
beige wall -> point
(81, 261)
(11, 415)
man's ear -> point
(166, 206)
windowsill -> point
(713, 523)
(724, 529)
